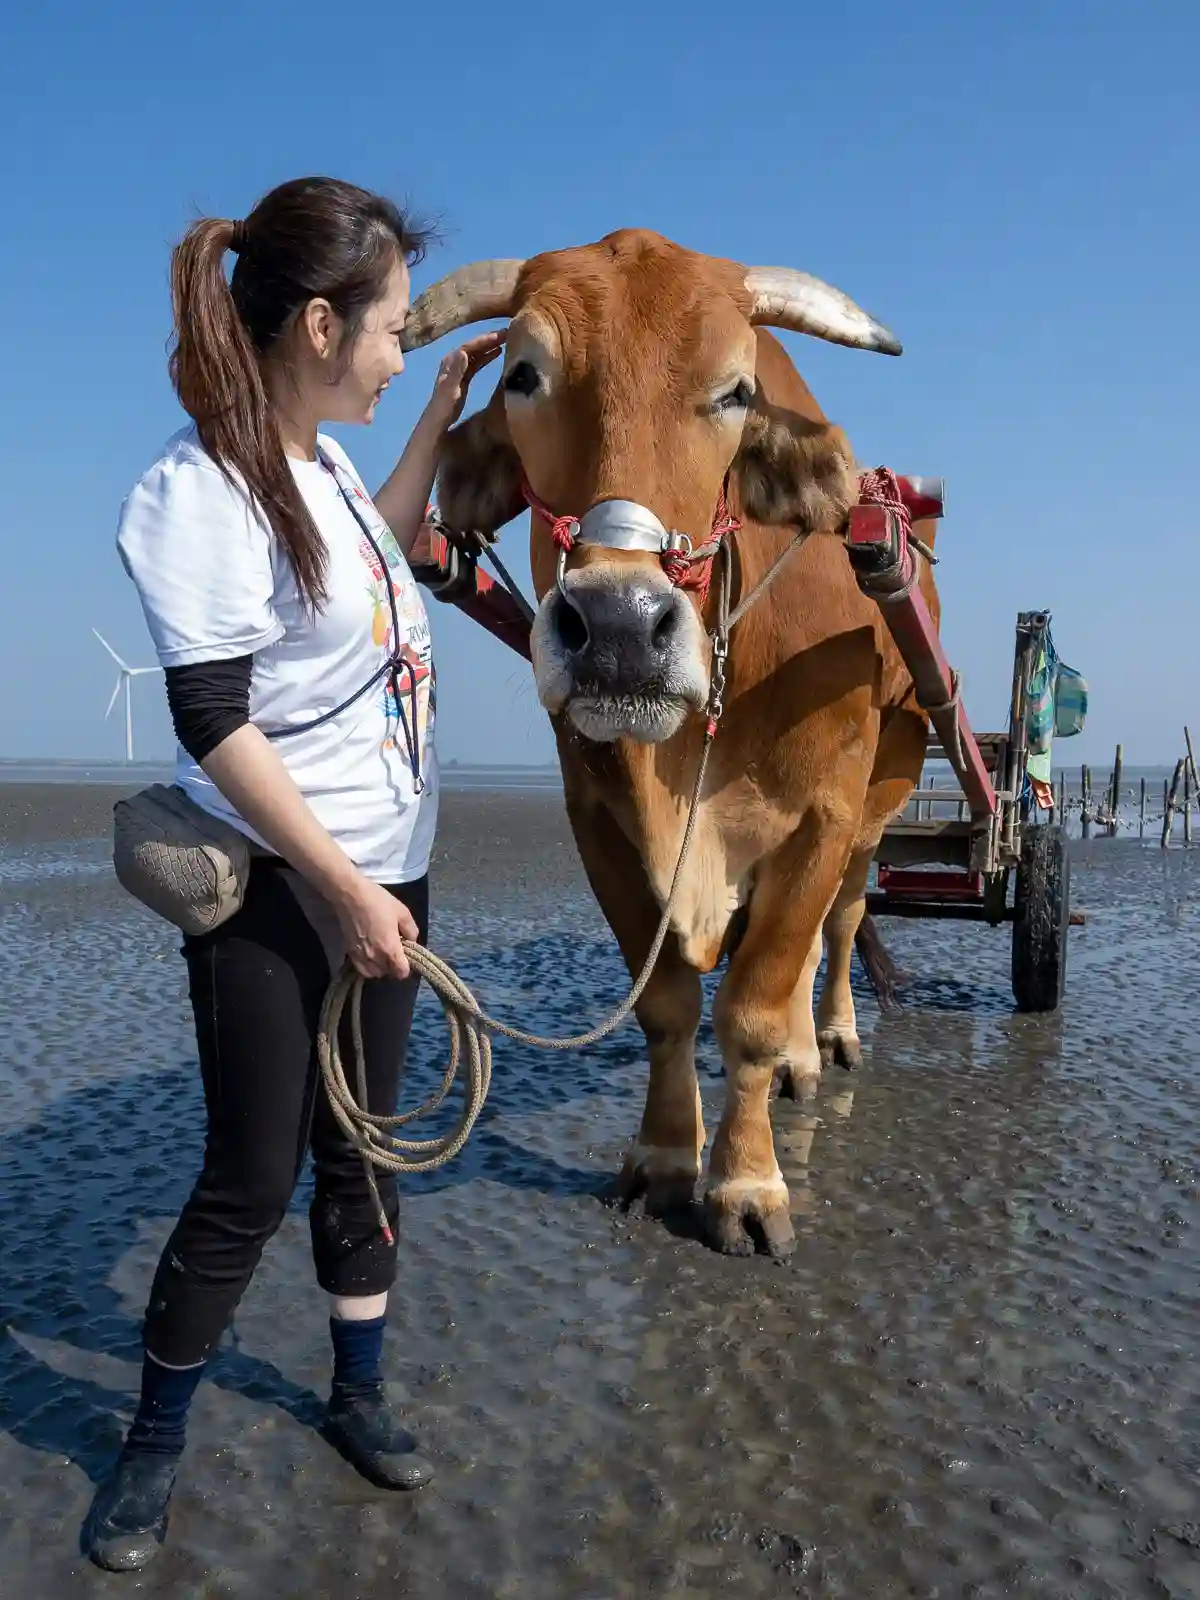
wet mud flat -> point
(976, 1376)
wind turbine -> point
(124, 679)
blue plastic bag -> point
(1070, 701)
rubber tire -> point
(1042, 908)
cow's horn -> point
(785, 298)
(471, 294)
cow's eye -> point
(739, 398)
(522, 379)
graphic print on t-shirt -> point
(409, 695)
(406, 719)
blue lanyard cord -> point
(390, 668)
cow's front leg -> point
(663, 1163)
(746, 1200)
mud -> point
(975, 1377)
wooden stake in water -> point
(1169, 808)
(1191, 786)
(1062, 798)
(1142, 813)
(1085, 801)
(1114, 804)
(1187, 802)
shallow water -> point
(974, 1377)
(78, 774)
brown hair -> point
(307, 239)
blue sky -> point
(1011, 187)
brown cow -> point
(640, 372)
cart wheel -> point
(1043, 912)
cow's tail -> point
(886, 977)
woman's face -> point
(375, 359)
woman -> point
(299, 676)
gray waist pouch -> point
(180, 862)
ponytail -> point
(217, 376)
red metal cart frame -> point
(960, 867)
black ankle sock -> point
(160, 1425)
(357, 1353)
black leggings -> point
(256, 987)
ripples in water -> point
(976, 1376)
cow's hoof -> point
(663, 1180)
(840, 1049)
(743, 1215)
(793, 1082)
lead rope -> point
(469, 1026)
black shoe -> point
(128, 1519)
(363, 1428)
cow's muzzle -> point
(622, 652)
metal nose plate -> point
(622, 525)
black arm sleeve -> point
(208, 702)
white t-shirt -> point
(215, 583)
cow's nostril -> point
(666, 627)
(571, 628)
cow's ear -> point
(479, 474)
(793, 470)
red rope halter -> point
(686, 570)
(562, 529)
